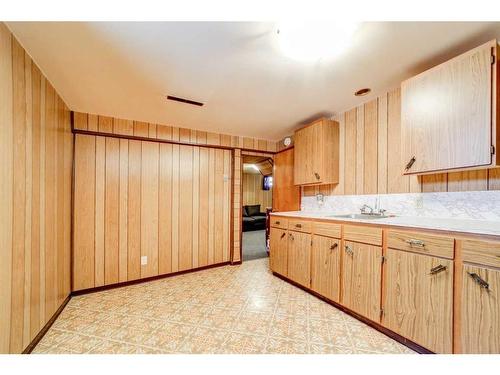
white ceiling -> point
(125, 69)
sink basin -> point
(360, 216)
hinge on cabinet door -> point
(383, 259)
(381, 312)
(492, 150)
(492, 58)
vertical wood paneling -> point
(165, 210)
(211, 206)
(226, 213)
(60, 202)
(175, 208)
(396, 182)
(203, 209)
(84, 209)
(19, 197)
(186, 207)
(370, 165)
(382, 145)
(50, 200)
(35, 203)
(100, 180)
(149, 208)
(43, 132)
(350, 153)
(111, 211)
(219, 196)
(68, 186)
(6, 177)
(134, 210)
(237, 217)
(434, 182)
(494, 179)
(360, 149)
(339, 188)
(468, 180)
(196, 204)
(123, 212)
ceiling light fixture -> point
(314, 41)
(363, 92)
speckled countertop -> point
(465, 226)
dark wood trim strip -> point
(144, 280)
(46, 327)
(402, 340)
(237, 263)
(147, 139)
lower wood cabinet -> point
(362, 278)
(480, 310)
(325, 267)
(278, 257)
(299, 257)
(419, 299)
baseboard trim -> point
(46, 327)
(144, 280)
(402, 340)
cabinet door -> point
(299, 257)
(307, 164)
(419, 299)
(278, 251)
(361, 279)
(446, 114)
(480, 310)
(325, 267)
(286, 196)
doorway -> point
(257, 196)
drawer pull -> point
(334, 246)
(316, 174)
(298, 225)
(479, 281)
(291, 236)
(283, 234)
(277, 223)
(348, 250)
(410, 163)
(438, 269)
(417, 243)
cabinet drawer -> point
(358, 233)
(481, 252)
(421, 243)
(300, 225)
(327, 229)
(279, 222)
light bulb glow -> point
(314, 41)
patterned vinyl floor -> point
(231, 309)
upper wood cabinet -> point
(449, 116)
(317, 153)
(286, 196)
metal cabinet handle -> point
(418, 243)
(334, 246)
(348, 250)
(316, 174)
(283, 234)
(410, 163)
(298, 225)
(479, 281)
(439, 268)
(277, 222)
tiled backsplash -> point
(480, 205)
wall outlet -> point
(144, 260)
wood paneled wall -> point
(102, 124)
(169, 202)
(253, 193)
(237, 192)
(370, 156)
(36, 151)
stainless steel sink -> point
(360, 216)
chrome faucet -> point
(367, 210)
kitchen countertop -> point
(464, 226)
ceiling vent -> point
(186, 101)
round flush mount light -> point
(287, 141)
(314, 41)
(363, 92)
